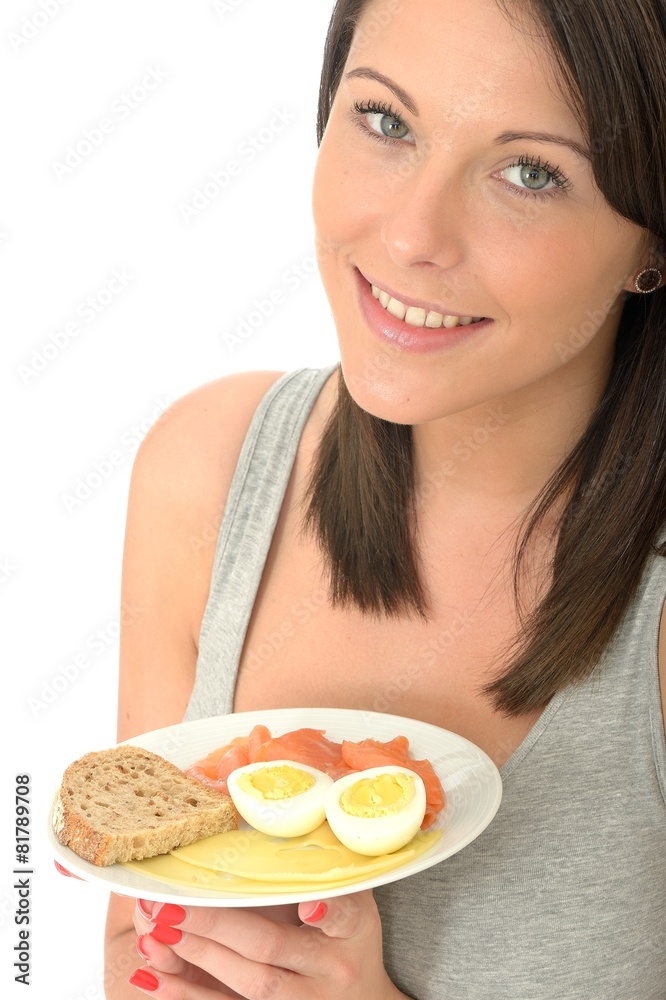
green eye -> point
(396, 130)
(531, 176)
(390, 126)
(534, 177)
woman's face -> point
(452, 211)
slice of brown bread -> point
(125, 804)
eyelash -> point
(381, 108)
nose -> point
(424, 221)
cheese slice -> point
(312, 857)
(166, 868)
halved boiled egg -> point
(376, 811)
(280, 797)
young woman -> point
(461, 523)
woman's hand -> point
(200, 953)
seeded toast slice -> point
(126, 803)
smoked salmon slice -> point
(305, 746)
(374, 753)
(256, 739)
(311, 747)
(209, 763)
(214, 769)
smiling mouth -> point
(419, 316)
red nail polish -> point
(144, 980)
(140, 947)
(63, 871)
(170, 913)
(166, 934)
(317, 913)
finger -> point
(343, 916)
(162, 959)
(142, 916)
(251, 979)
(160, 956)
(251, 935)
(168, 987)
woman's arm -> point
(179, 485)
(180, 480)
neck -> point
(498, 456)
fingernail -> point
(144, 980)
(166, 934)
(140, 947)
(318, 912)
(169, 913)
(63, 871)
(145, 908)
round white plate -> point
(471, 783)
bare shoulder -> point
(203, 431)
(178, 490)
(186, 462)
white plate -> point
(471, 783)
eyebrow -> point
(502, 139)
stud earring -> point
(648, 280)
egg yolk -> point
(281, 782)
(382, 795)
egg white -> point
(291, 816)
(373, 835)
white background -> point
(72, 397)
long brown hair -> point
(361, 501)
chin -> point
(383, 393)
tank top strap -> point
(631, 663)
(250, 514)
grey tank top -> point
(563, 896)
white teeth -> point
(396, 308)
(415, 316)
(420, 317)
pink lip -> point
(419, 340)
